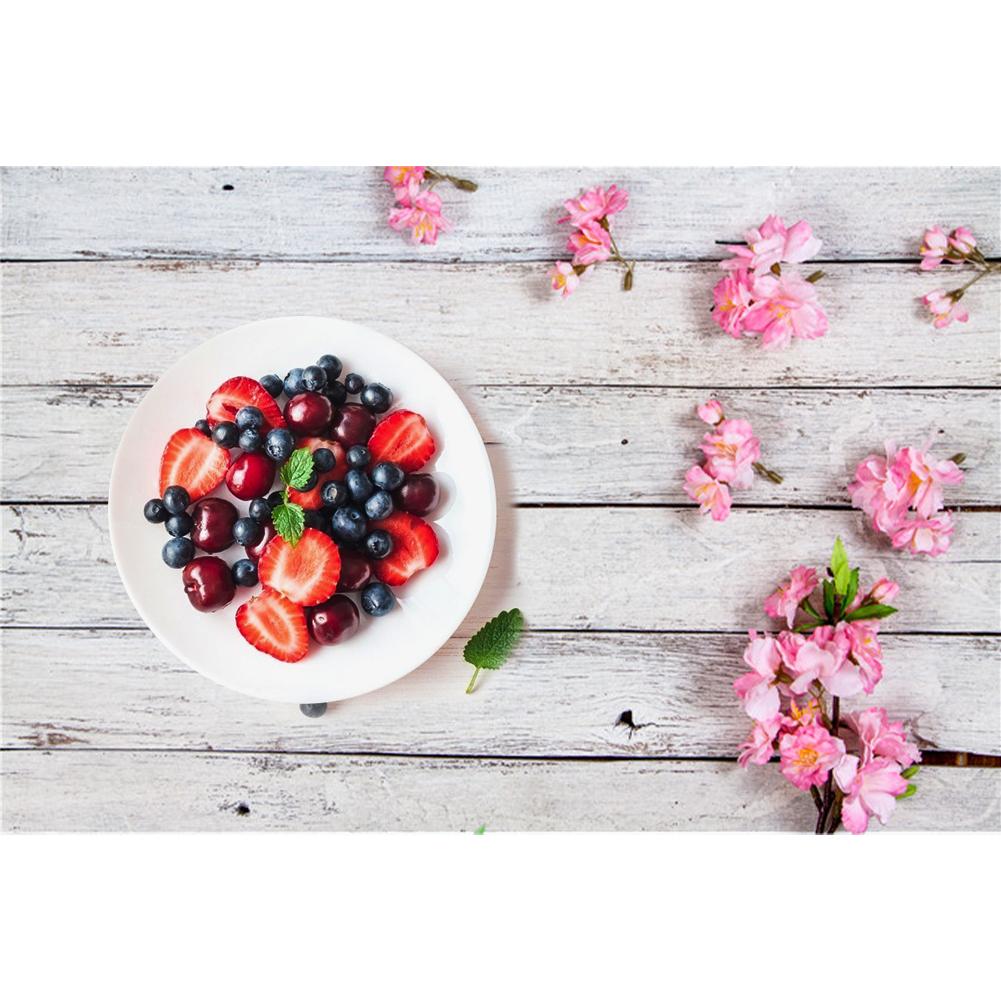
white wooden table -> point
(636, 605)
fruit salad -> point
(348, 517)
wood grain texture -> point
(574, 444)
(124, 323)
(340, 214)
(571, 568)
(158, 791)
(562, 694)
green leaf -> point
(290, 521)
(909, 791)
(299, 468)
(481, 829)
(909, 773)
(829, 599)
(870, 612)
(839, 567)
(492, 645)
(852, 588)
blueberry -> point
(279, 444)
(388, 476)
(359, 485)
(314, 710)
(260, 510)
(178, 553)
(180, 524)
(176, 500)
(314, 379)
(354, 383)
(293, 383)
(336, 393)
(226, 434)
(379, 505)
(273, 384)
(330, 364)
(313, 519)
(247, 531)
(334, 494)
(348, 524)
(204, 426)
(249, 417)
(323, 460)
(359, 456)
(155, 511)
(244, 573)
(376, 397)
(250, 440)
(274, 499)
(377, 599)
(378, 544)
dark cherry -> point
(308, 413)
(250, 475)
(208, 583)
(355, 571)
(214, 518)
(256, 552)
(418, 495)
(355, 425)
(334, 621)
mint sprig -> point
(299, 468)
(290, 521)
(493, 643)
(288, 517)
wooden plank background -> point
(617, 711)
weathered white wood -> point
(154, 791)
(575, 444)
(124, 323)
(562, 694)
(339, 214)
(570, 568)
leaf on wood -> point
(492, 645)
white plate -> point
(430, 607)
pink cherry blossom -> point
(785, 307)
(563, 277)
(731, 451)
(711, 412)
(772, 243)
(711, 495)
(879, 491)
(870, 791)
(924, 479)
(594, 204)
(420, 211)
(866, 651)
(884, 591)
(823, 657)
(801, 713)
(757, 688)
(782, 604)
(403, 178)
(758, 749)
(882, 737)
(944, 308)
(930, 536)
(732, 298)
(934, 247)
(808, 755)
(962, 243)
(590, 244)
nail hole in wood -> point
(242, 809)
(625, 441)
(227, 187)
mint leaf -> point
(290, 521)
(870, 612)
(299, 468)
(492, 645)
(839, 567)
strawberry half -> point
(415, 547)
(306, 573)
(273, 624)
(194, 462)
(403, 437)
(311, 499)
(242, 391)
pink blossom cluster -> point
(903, 493)
(759, 297)
(591, 241)
(855, 765)
(418, 206)
(731, 457)
(959, 247)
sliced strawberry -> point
(273, 624)
(238, 392)
(193, 461)
(403, 437)
(306, 573)
(311, 499)
(415, 547)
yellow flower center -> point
(807, 757)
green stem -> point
(627, 281)
(472, 681)
(956, 294)
(770, 474)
